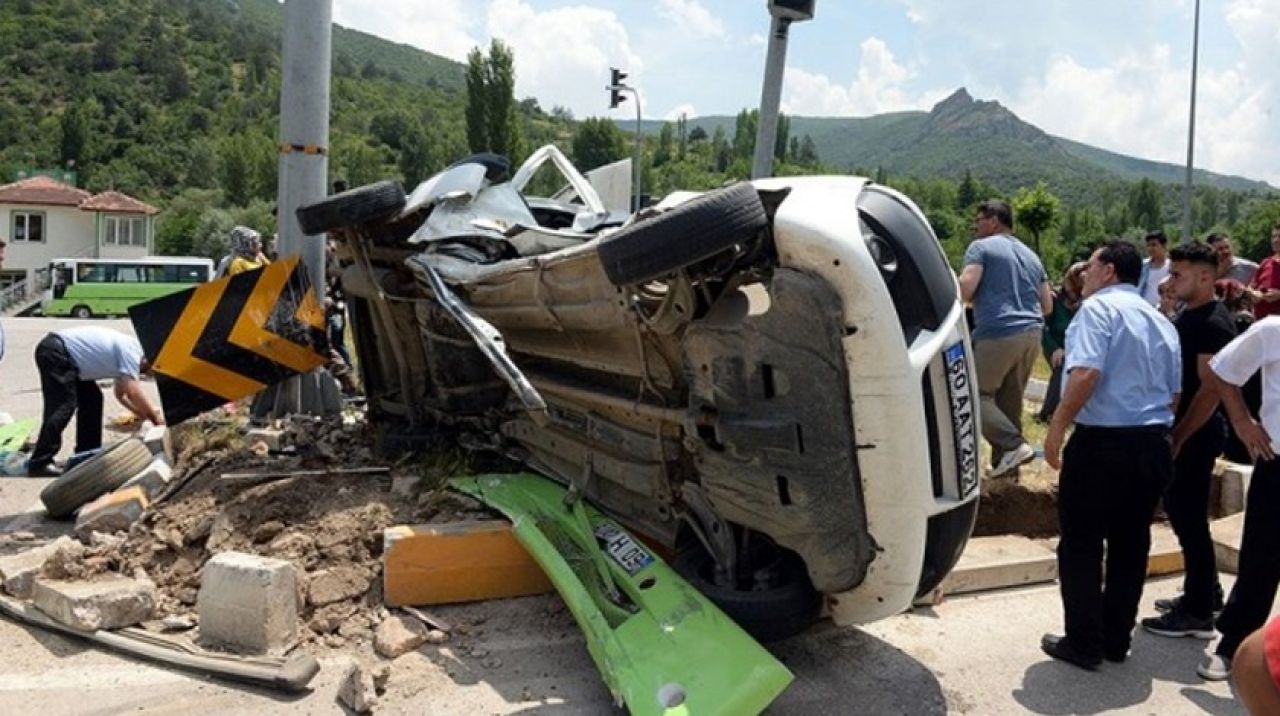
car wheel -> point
(82, 312)
(362, 205)
(95, 477)
(785, 606)
(696, 230)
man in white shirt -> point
(70, 361)
(1155, 267)
(1259, 573)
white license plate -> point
(960, 389)
(622, 549)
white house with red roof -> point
(42, 219)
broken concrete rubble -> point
(111, 602)
(113, 512)
(356, 690)
(337, 584)
(398, 635)
(159, 441)
(154, 479)
(18, 572)
(248, 603)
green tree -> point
(597, 142)
(744, 134)
(1037, 210)
(666, 142)
(1145, 205)
(500, 84)
(477, 101)
(75, 134)
(180, 222)
(966, 193)
(780, 142)
(417, 158)
(808, 155)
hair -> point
(1197, 253)
(1274, 227)
(1217, 237)
(1124, 258)
(2, 244)
(998, 208)
(1074, 277)
(1158, 236)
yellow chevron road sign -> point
(230, 338)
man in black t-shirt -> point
(1199, 433)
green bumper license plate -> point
(661, 646)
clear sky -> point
(1112, 73)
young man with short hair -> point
(1155, 267)
(1123, 376)
(1204, 326)
(1006, 283)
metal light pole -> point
(784, 12)
(1191, 131)
(616, 88)
(303, 177)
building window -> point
(28, 226)
(125, 231)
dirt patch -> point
(1023, 505)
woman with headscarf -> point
(246, 251)
(1054, 338)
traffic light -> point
(616, 76)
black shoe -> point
(1169, 605)
(46, 470)
(1059, 648)
(1115, 656)
(1178, 623)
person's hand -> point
(1053, 447)
(1255, 439)
(1055, 358)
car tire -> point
(95, 477)
(82, 312)
(695, 230)
(768, 615)
(362, 205)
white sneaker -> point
(1013, 459)
(1214, 668)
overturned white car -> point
(772, 380)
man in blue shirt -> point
(1123, 371)
(71, 361)
(1005, 282)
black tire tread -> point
(362, 205)
(768, 616)
(695, 230)
(95, 477)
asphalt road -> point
(969, 655)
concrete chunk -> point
(248, 603)
(158, 441)
(1165, 555)
(1226, 541)
(998, 562)
(1234, 488)
(111, 603)
(154, 478)
(398, 635)
(356, 690)
(18, 572)
(113, 512)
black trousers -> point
(1250, 602)
(1110, 482)
(1187, 504)
(64, 395)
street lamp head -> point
(616, 76)
(793, 10)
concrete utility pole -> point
(304, 174)
(784, 12)
(1191, 131)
